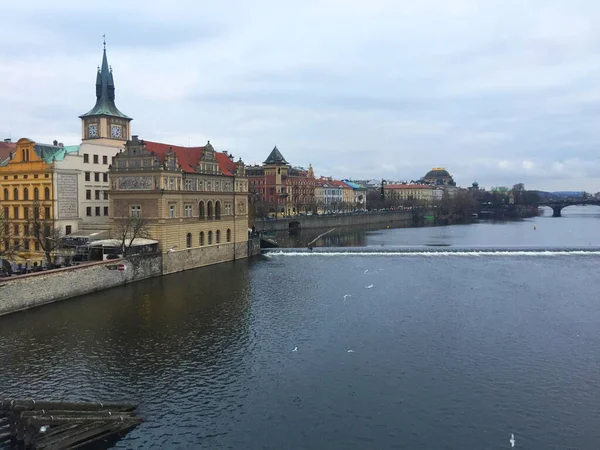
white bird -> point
(366, 272)
(44, 428)
(350, 351)
(346, 296)
(295, 349)
(369, 286)
(512, 440)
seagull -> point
(295, 349)
(44, 428)
(369, 286)
(366, 272)
(172, 249)
(512, 440)
(350, 351)
(346, 296)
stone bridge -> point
(558, 205)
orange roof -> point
(189, 157)
(408, 186)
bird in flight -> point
(369, 286)
(295, 349)
(512, 440)
(346, 296)
(366, 272)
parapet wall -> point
(28, 291)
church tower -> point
(104, 123)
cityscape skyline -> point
(499, 95)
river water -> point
(445, 350)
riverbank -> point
(36, 289)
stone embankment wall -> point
(397, 218)
(192, 258)
(28, 291)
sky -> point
(495, 91)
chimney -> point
(55, 143)
(7, 140)
(134, 137)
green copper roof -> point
(275, 157)
(105, 94)
(49, 153)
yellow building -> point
(420, 193)
(26, 182)
(347, 196)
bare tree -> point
(45, 232)
(127, 229)
(7, 249)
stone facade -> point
(19, 293)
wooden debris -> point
(57, 425)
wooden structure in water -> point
(62, 425)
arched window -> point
(36, 194)
(218, 236)
(15, 194)
(25, 194)
(228, 235)
(201, 238)
(209, 237)
(188, 240)
(210, 210)
(217, 210)
(5, 194)
(201, 211)
(47, 193)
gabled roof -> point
(105, 93)
(6, 148)
(189, 157)
(275, 157)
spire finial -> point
(104, 40)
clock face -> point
(115, 131)
(93, 131)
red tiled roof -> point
(189, 157)
(408, 186)
(6, 148)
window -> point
(188, 240)
(97, 210)
(36, 212)
(171, 183)
(36, 194)
(15, 194)
(16, 228)
(88, 211)
(17, 244)
(136, 211)
(68, 229)
(16, 212)
(25, 194)
(201, 212)
(105, 177)
(209, 237)
(46, 175)
(88, 194)
(95, 159)
(96, 176)
(26, 229)
(105, 195)
(104, 159)
(201, 238)
(47, 193)
(35, 175)
(26, 244)
(5, 194)
(172, 211)
(87, 176)
(227, 210)
(217, 210)
(86, 158)
(210, 209)
(36, 245)
(188, 210)
(228, 235)
(106, 210)
(218, 236)
(47, 212)
(97, 194)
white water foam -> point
(442, 253)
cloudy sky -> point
(498, 91)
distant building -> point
(283, 188)
(422, 193)
(359, 192)
(438, 176)
(328, 194)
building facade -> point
(284, 189)
(191, 197)
(413, 193)
(359, 193)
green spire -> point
(105, 92)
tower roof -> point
(275, 157)
(105, 93)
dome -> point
(437, 173)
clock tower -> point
(104, 123)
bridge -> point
(558, 205)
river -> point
(443, 350)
